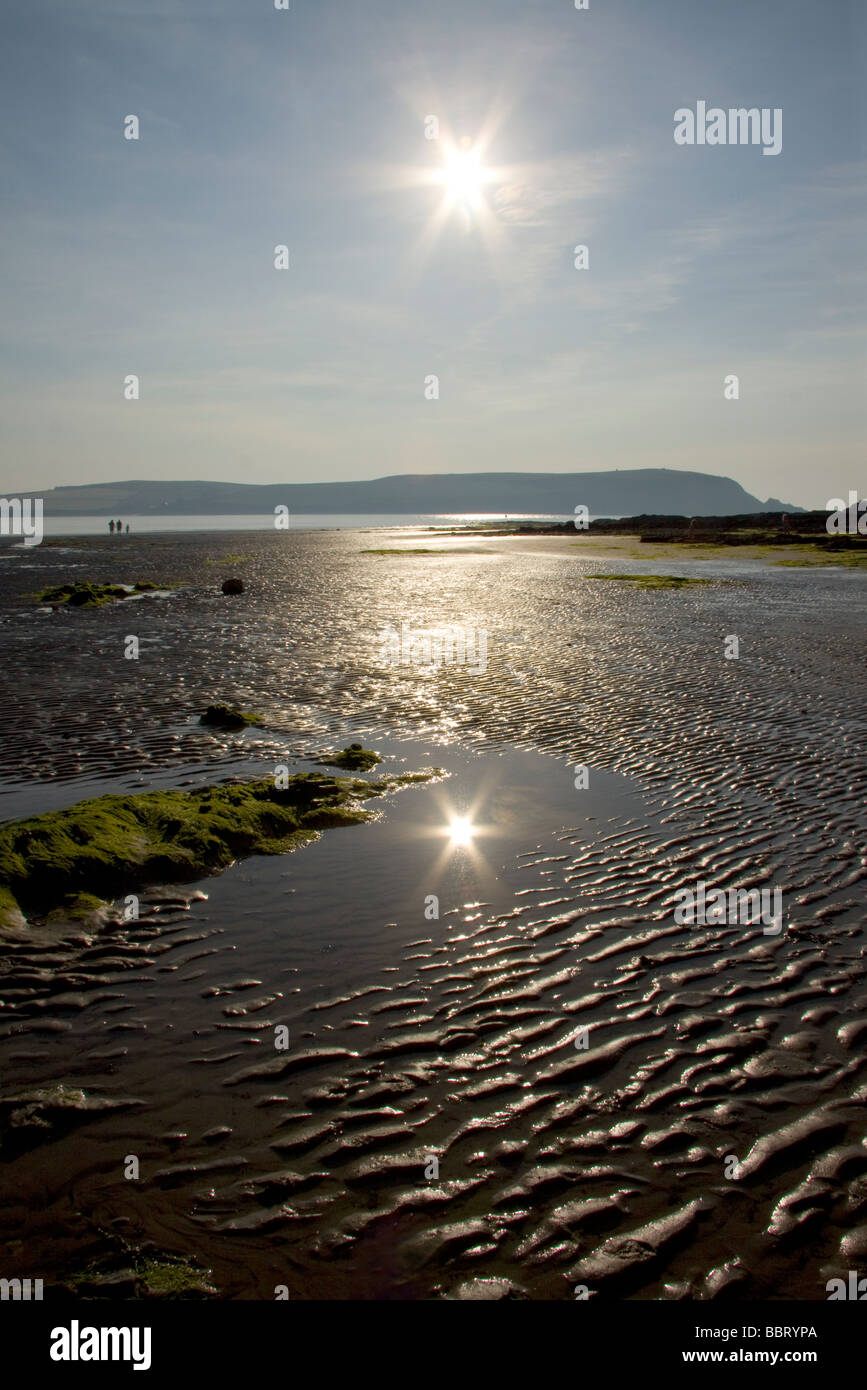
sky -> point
(306, 128)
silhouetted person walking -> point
(111, 528)
(127, 528)
(119, 528)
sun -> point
(471, 191)
(463, 176)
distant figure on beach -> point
(119, 528)
(111, 528)
(127, 528)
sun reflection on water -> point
(461, 831)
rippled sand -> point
(452, 1039)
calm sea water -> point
(259, 521)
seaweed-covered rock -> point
(140, 1275)
(83, 595)
(110, 845)
(90, 595)
(355, 758)
(233, 586)
(227, 717)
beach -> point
(437, 1125)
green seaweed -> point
(354, 758)
(89, 595)
(168, 1277)
(652, 581)
(227, 717)
(10, 913)
(173, 1279)
(83, 595)
(824, 555)
(81, 907)
(110, 845)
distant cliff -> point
(625, 492)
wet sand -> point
(411, 1038)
